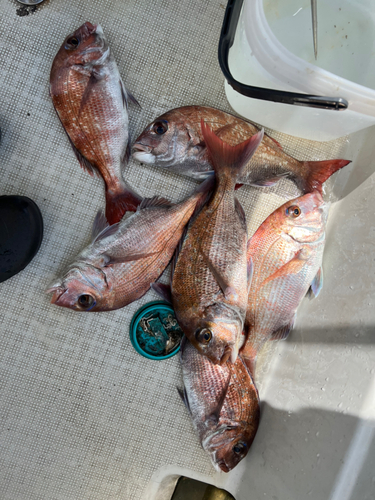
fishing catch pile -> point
(231, 293)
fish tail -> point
(229, 161)
(117, 204)
(318, 172)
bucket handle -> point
(228, 30)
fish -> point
(91, 101)
(223, 403)
(286, 255)
(125, 258)
(174, 141)
(210, 276)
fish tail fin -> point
(117, 204)
(229, 161)
(319, 171)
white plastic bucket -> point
(345, 45)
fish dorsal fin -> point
(155, 201)
(283, 331)
(184, 397)
(215, 413)
(294, 266)
(163, 290)
(100, 223)
(317, 284)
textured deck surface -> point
(82, 416)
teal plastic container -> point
(154, 331)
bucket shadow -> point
(313, 453)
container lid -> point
(154, 331)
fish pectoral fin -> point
(130, 257)
(294, 266)
(183, 395)
(100, 230)
(249, 356)
(127, 96)
(163, 290)
(215, 412)
(221, 280)
(240, 210)
(84, 162)
(100, 223)
(283, 332)
(316, 285)
(250, 270)
(155, 201)
(271, 181)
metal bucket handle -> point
(228, 30)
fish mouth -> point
(143, 148)
(143, 153)
(223, 466)
(57, 293)
(230, 353)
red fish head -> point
(304, 218)
(86, 45)
(217, 340)
(229, 444)
(167, 141)
(82, 290)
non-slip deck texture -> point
(82, 415)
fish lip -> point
(227, 354)
(223, 466)
(143, 148)
(57, 293)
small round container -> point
(154, 331)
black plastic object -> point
(21, 234)
(228, 31)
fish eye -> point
(160, 127)
(293, 211)
(204, 335)
(86, 302)
(239, 448)
(72, 43)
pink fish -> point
(286, 255)
(91, 101)
(211, 277)
(223, 403)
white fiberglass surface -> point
(82, 415)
